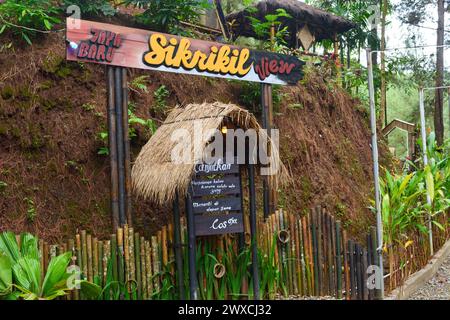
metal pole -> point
(193, 283)
(120, 144)
(266, 125)
(425, 163)
(178, 253)
(252, 195)
(376, 174)
(126, 146)
(112, 147)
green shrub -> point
(165, 15)
(26, 18)
(93, 7)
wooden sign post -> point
(213, 205)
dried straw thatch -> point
(157, 177)
(323, 25)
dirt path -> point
(438, 288)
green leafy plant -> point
(31, 210)
(165, 15)
(139, 84)
(160, 96)
(26, 18)
(93, 7)
(20, 270)
(149, 125)
(263, 29)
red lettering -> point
(286, 67)
(92, 51)
(101, 55)
(273, 66)
(109, 37)
(260, 71)
(110, 54)
(96, 33)
(83, 50)
(117, 41)
(102, 37)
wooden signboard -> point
(220, 224)
(216, 199)
(230, 203)
(109, 44)
(226, 185)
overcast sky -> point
(396, 34)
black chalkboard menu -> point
(217, 199)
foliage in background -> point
(263, 29)
(26, 18)
(133, 120)
(165, 15)
(91, 8)
(20, 270)
(404, 196)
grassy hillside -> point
(53, 120)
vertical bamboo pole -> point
(95, 266)
(112, 142)
(148, 266)
(144, 291)
(120, 256)
(114, 257)
(132, 266)
(89, 257)
(137, 256)
(358, 271)
(84, 253)
(164, 246)
(338, 260)
(365, 291)
(315, 253)
(156, 263)
(320, 251)
(106, 258)
(126, 149)
(41, 257)
(346, 265)
(351, 254)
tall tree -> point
(439, 98)
(383, 100)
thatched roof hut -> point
(156, 177)
(322, 24)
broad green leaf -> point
(5, 274)
(429, 182)
(8, 245)
(56, 276)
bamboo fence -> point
(298, 256)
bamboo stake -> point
(148, 265)
(41, 257)
(137, 253)
(307, 254)
(120, 256)
(100, 263)
(79, 255)
(132, 271)
(84, 254)
(331, 288)
(156, 263)
(319, 251)
(164, 246)
(106, 257)
(338, 260)
(89, 257)
(95, 258)
(346, 265)
(126, 252)
(144, 290)
(298, 257)
(114, 257)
